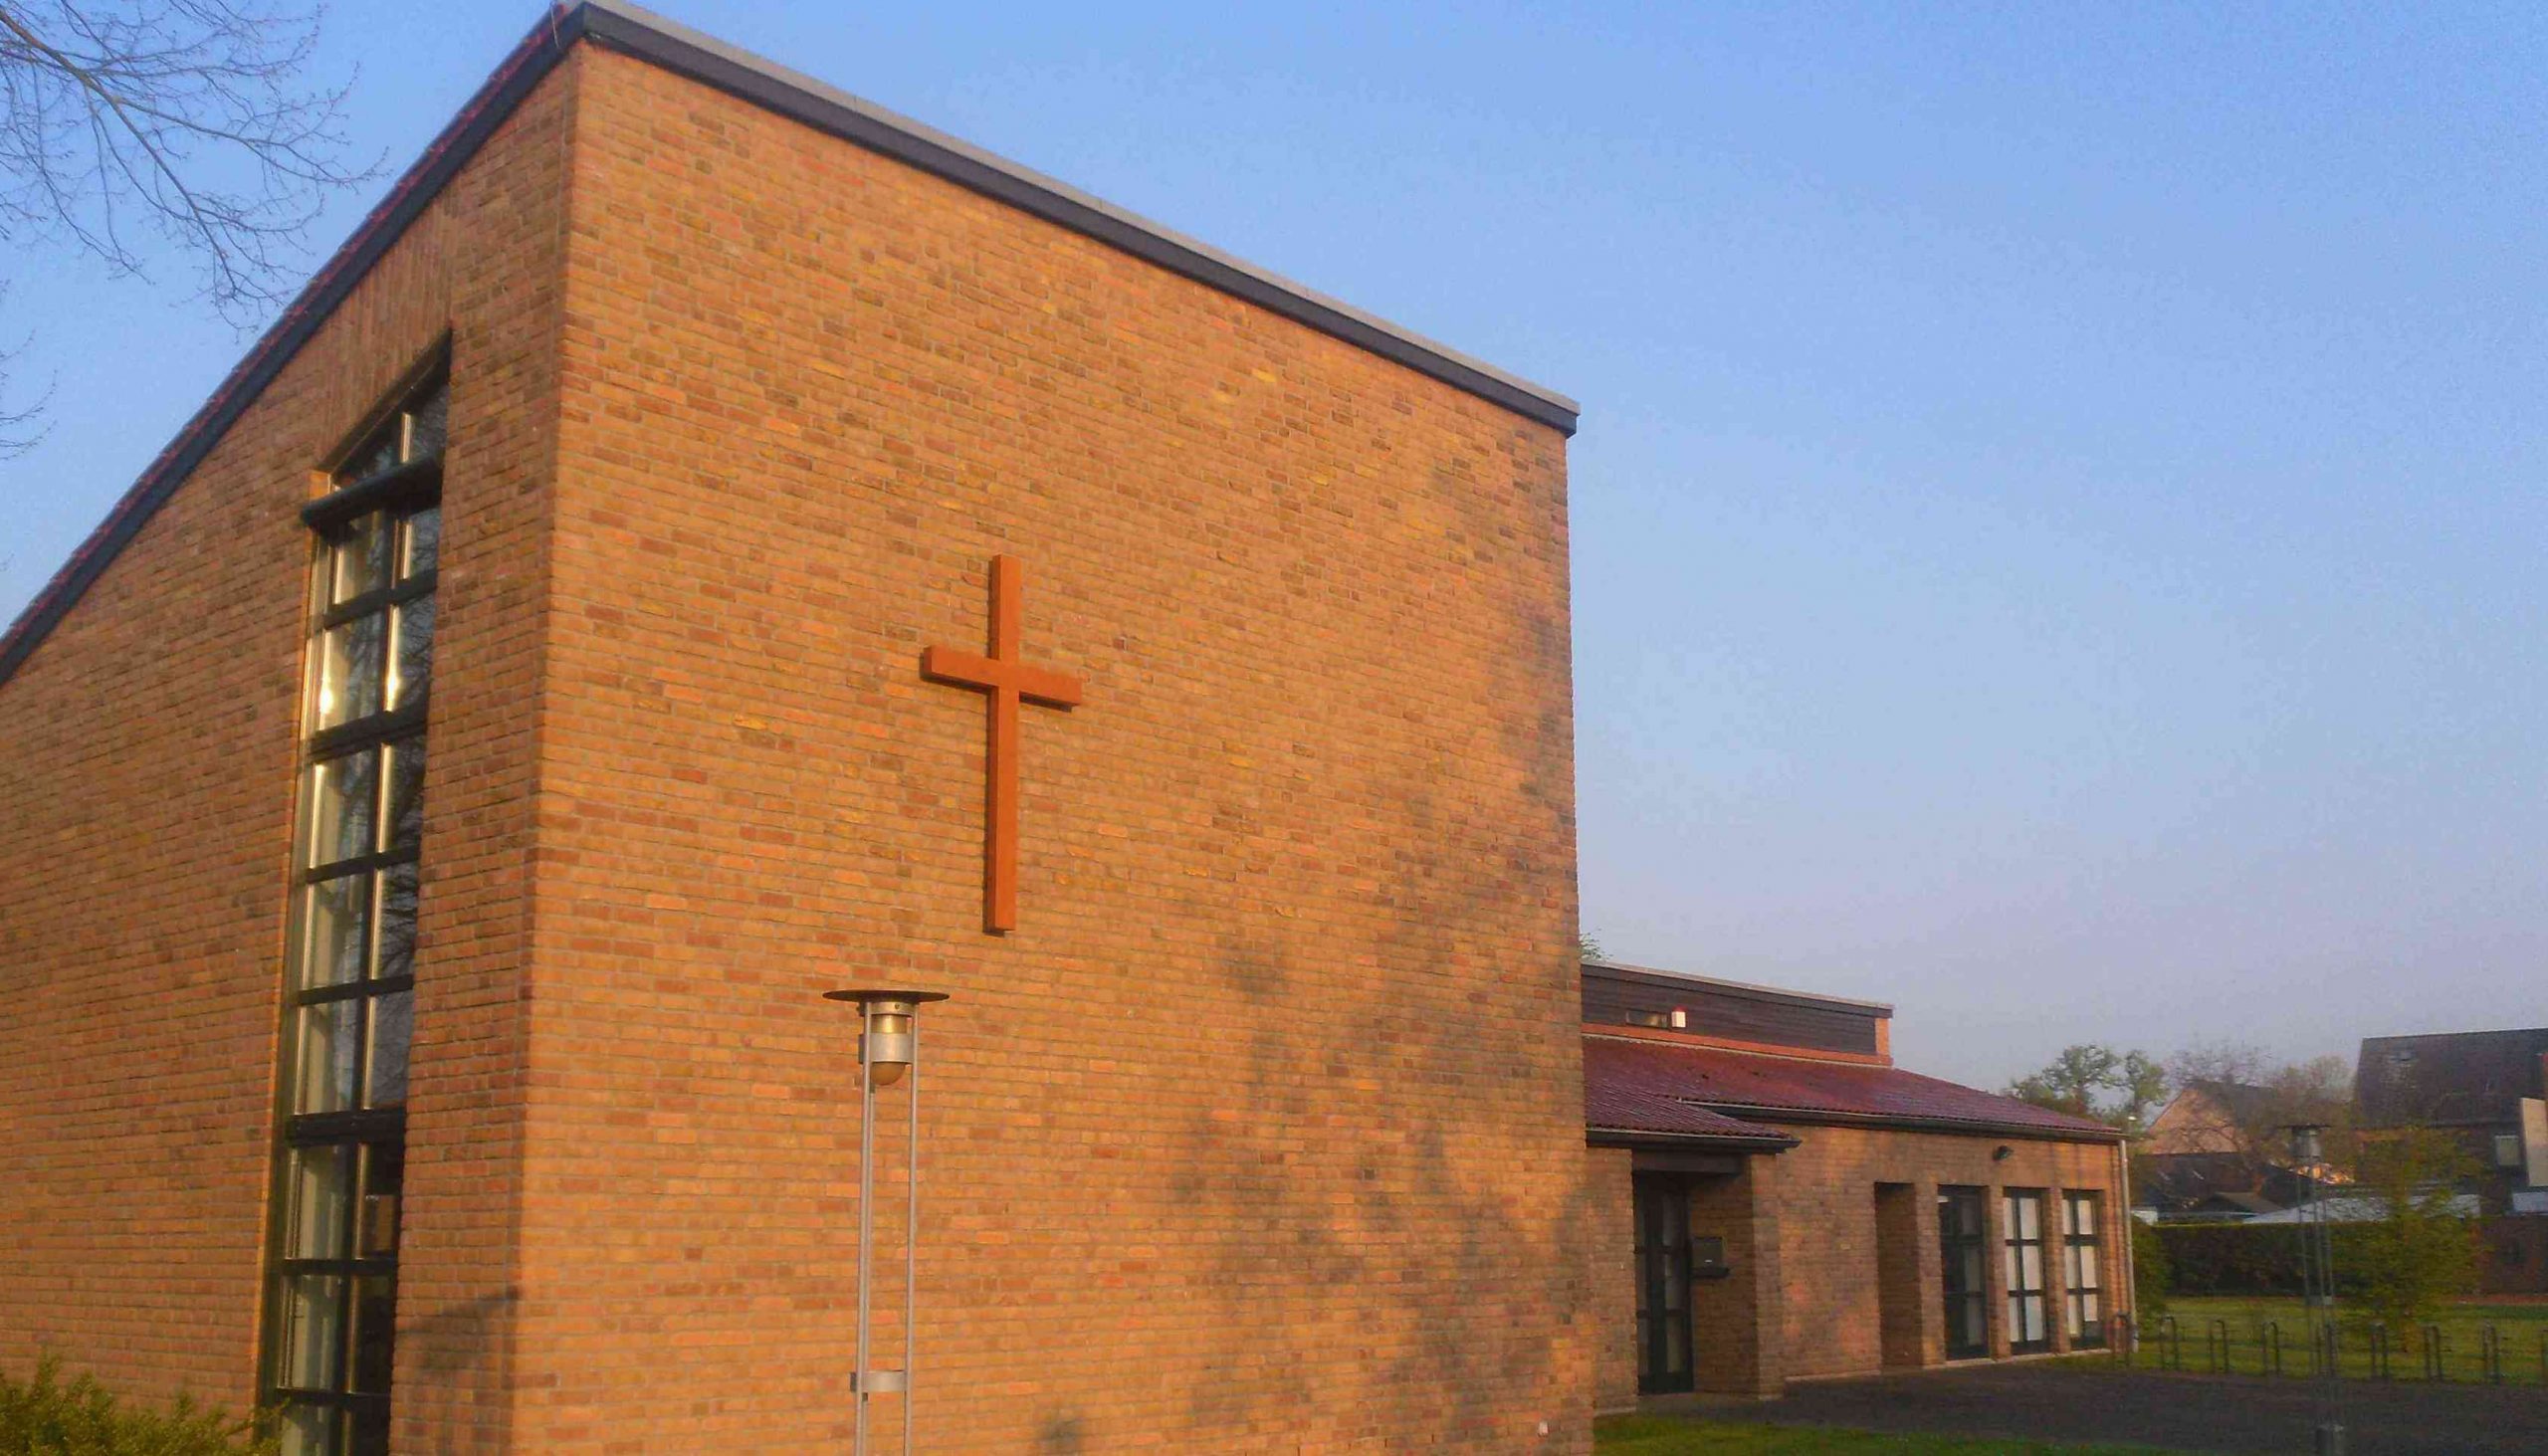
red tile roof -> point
(1638, 1081)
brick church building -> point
(706, 542)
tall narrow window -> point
(2022, 1244)
(349, 977)
(1961, 1252)
(2080, 1276)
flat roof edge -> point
(1780, 993)
(828, 108)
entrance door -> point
(1662, 1286)
(1961, 1250)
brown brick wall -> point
(1613, 1269)
(148, 751)
(1264, 1128)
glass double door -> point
(1663, 1362)
(1962, 1241)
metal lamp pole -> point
(2318, 1284)
(887, 1052)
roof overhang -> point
(1751, 1112)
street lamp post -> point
(888, 1053)
(2318, 1284)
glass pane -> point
(314, 1338)
(375, 1300)
(340, 930)
(309, 1430)
(382, 455)
(406, 792)
(361, 558)
(349, 669)
(413, 663)
(390, 1016)
(320, 1183)
(1676, 1346)
(2031, 1266)
(344, 801)
(428, 423)
(397, 922)
(384, 1170)
(325, 1079)
(421, 546)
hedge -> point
(2240, 1258)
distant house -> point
(2210, 1188)
(2206, 1116)
(2200, 1162)
(2488, 1088)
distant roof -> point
(1773, 993)
(2452, 1077)
(2241, 1100)
(627, 29)
(2174, 1182)
(1620, 1071)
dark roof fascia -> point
(827, 108)
(1755, 1113)
(675, 48)
(1778, 995)
(1639, 1137)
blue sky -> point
(2058, 516)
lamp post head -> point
(2308, 1148)
(886, 1044)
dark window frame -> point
(2085, 1250)
(365, 1191)
(2018, 1296)
(1954, 1294)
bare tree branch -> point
(184, 118)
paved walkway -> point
(2033, 1402)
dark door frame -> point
(1662, 1215)
(1954, 1242)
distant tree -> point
(188, 121)
(2235, 1062)
(2070, 1080)
(1586, 947)
(2143, 1087)
(2252, 1098)
(2419, 1253)
(2092, 1081)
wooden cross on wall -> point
(1009, 681)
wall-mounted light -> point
(2000, 1152)
(888, 1054)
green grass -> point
(2520, 1327)
(1656, 1435)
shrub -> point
(2153, 1275)
(48, 1416)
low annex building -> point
(1782, 1201)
